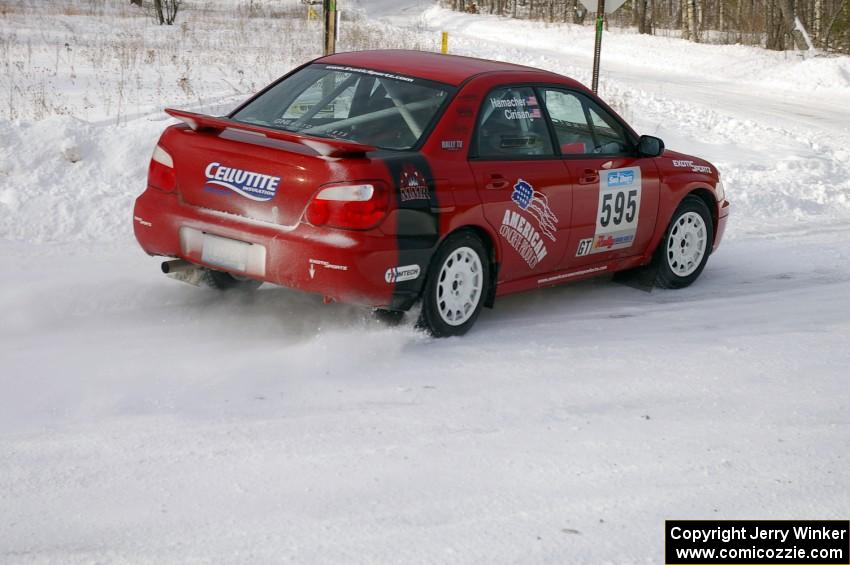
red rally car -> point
(387, 177)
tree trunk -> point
(788, 17)
(692, 20)
(721, 22)
(739, 16)
(817, 29)
(651, 17)
(698, 17)
(775, 40)
(157, 10)
(641, 16)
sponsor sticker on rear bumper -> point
(401, 274)
(250, 184)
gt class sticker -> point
(617, 215)
(249, 184)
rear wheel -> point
(458, 281)
(682, 254)
(225, 281)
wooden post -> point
(330, 26)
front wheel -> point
(682, 254)
(458, 281)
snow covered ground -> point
(142, 420)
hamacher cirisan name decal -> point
(250, 184)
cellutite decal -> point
(249, 184)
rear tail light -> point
(349, 206)
(161, 171)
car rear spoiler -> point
(324, 147)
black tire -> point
(671, 270)
(471, 278)
(220, 280)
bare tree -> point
(774, 24)
(789, 19)
(165, 11)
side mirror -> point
(649, 146)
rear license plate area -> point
(227, 253)
(217, 251)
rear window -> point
(361, 105)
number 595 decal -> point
(618, 213)
(624, 206)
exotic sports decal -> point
(249, 184)
(691, 165)
(520, 233)
(617, 215)
(412, 185)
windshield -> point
(361, 105)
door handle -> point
(589, 176)
(497, 182)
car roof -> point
(448, 69)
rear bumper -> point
(347, 266)
(722, 218)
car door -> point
(523, 185)
(615, 192)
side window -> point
(511, 125)
(582, 127)
(609, 133)
(570, 121)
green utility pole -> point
(597, 46)
(602, 8)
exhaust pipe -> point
(184, 271)
(177, 266)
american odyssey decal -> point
(536, 204)
(249, 184)
(520, 233)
